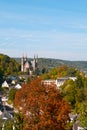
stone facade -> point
(29, 66)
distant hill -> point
(49, 63)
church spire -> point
(37, 58)
(34, 56)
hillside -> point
(8, 65)
(51, 63)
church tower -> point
(29, 66)
(22, 64)
(25, 58)
(37, 60)
(35, 63)
(23, 61)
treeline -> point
(45, 64)
(9, 66)
(62, 71)
(53, 63)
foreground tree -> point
(83, 116)
(42, 107)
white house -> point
(58, 82)
(5, 85)
(18, 86)
(49, 82)
(13, 82)
(61, 81)
(0, 112)
(80, 128)
(73, 78)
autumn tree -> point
(61, 71)
(42, 107)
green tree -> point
(69, 92)
(11, 94)
(9, 65)
(1, 77)
(79, 82)
(1, 123)
(73, 92)
(8, 124)
(18, 121)
(83, 116)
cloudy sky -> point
(49, 28)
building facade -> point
(29, 66)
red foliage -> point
(42, 106)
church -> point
(29, 66)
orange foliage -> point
(42, 106)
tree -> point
(1, 76)
(74, 92)
(8, 124)
(69, 92)
(11, 94)
(1, 123)
(83, 116)
(79, 82)
(42, 107)
(61, 71)
(9, 65)
(18, 121)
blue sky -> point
(49, 28)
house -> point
(80, 128)
(13, 82)
(5, 84)
(76, 126)
(58, 82)
(72, 117)
(18, 86)
(73, 78)
(4, 100)
(49, 82)
(0, 112)
(61, 81)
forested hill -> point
(8, 65)
(51, 63)
(12, 65)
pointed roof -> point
(18, 86)
(5, 84)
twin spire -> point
(29, 66)
(25, 56)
